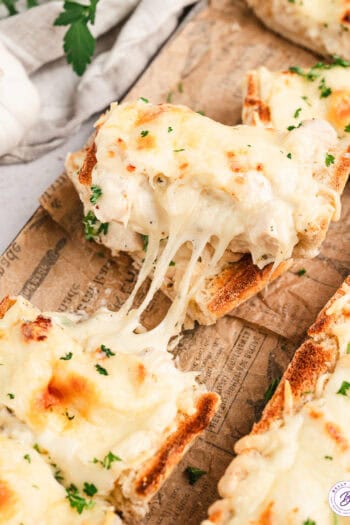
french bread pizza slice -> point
(284, 99)
(286, 467)
(320, 25)
(109, 412)
(211, 212)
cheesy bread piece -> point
(284, 99)
(300, 448)
(211, 212)
(105, 408)
(29, 493)
(320, 25)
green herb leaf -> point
(169, 97)
(10, 395)
(96, 194)
(347, 128)
(172, 263)
(194, 474)
(37, 448)
(343, 390)
(107, 461)
(145, 100)
(107, 351)
(178, 150)
(289, 155)
(67, 356)
(170, 129)
(27, 458)
(90, 489)
(330, 159)
(145, 239)
(93, 227)
(271, 389)
(144, 133)
(32, 3)
(10, 6)
(297, 112)
(301, 272)
(339, 61)
(305, 98)
(325, 91)
(328, 457)
(348, 349)
(180, 87)
(77, 501)
(101, 370)
(58, 474)
(78, 42)
(309, 522)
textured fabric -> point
(129, 32)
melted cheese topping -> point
(29, 493)
(81, 404)
(291, 98)
(190, 183)
(284, 475)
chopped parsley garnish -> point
(309, 522)
(27, 458)
(309, 75)
(10, 395)
(69, 417)
(325, 91)
(297, 112)
(201, 113)
(348, 349)
(194, 474)
(172, 263)
(330, 159)
(96, 194)
(145, 100)
(178, 150)
(67, 356)
(271, 389)
(90, 489)
(93, 227)
(170, 129)
(37, 448)
(101, 370)
(169, 97)
(58, 474)
(301, 272)
(107, 461)
(180, 87)
(328, 457)
(294, 127)
(144, 133)
(107, 351)
(77, 501)
(145, 239)
(347, 128)
(306, 99)
(289, 155)
(339, 61)
(343, 390)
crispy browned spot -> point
(130, 168)
(183, 166)
(341, 172)
(36, 330)
(346, 17)
(5, 305)
(265, 517)
(68, 391)
(339, 108)
(171, 452)
(8, 502)
(314, 414)
(152, 112)
(147, 142)
(216, 516)
(141, 373)
(239, 282)
(90, 160)
(335, 433)
(121, 144)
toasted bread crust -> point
(153, 475)
(316, 356)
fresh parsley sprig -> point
(78, 43)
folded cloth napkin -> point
(128, 32)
